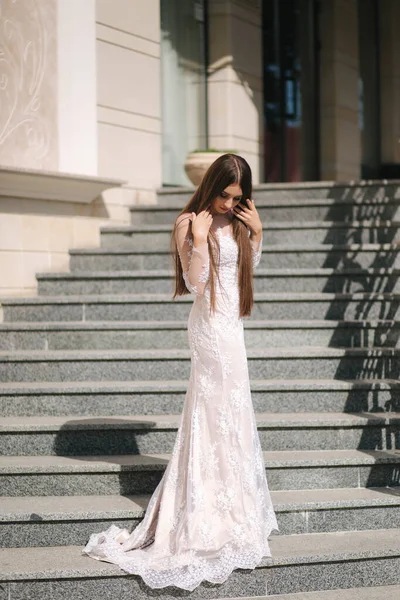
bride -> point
(211, 513)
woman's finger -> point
(242, 211)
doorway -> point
(291, 116)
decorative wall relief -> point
(28, 84)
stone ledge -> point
(165, 386)
(67, 562)
(298, 185)
(272, 226)
(155, 274)
(269, 203)
(167, 299)
(266, 421)
(48, 185)
(122, 463)
(40, 326)
(391, 592)
(70, 508)
(294, 352)
(267, 249)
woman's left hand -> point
(249, 215)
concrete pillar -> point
(390, 86)
(235, 88)
(77, 96)
(129, 100)
(339, 91)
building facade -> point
(117, 92)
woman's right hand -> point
(201, 224)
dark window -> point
(290, 53)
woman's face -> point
(230, 197)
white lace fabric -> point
(212, 512)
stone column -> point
(129, 100)
(77, 94)
(235, 90)
(390, 86)
(340, 136)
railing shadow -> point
(365, 292)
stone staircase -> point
(94, 373)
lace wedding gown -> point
(211, 513)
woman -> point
(211, 512)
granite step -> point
(107, 335)
(378, 191)
(282, 256)
(384, 592)
(287, 209)
(58, 521)
(152, 307)
(301, 563)
(143, 434)
(158, 237)
(333, 488)
(300, 362)
(115, 335)
(140, 474)
(328, 280)
(113, 398)
(144, 237)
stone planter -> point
(197, 164)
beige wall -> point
(28, 90)
(339, 117)
(35, 237)
(235, 80)
(124, 65)
(128, 100)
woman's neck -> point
(223, 218)
(222, 222)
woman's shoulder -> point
(183, 220)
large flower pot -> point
(197, 164)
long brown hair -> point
(227, 170)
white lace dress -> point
(212, 511)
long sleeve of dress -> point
(194, 259)
(256, 249)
